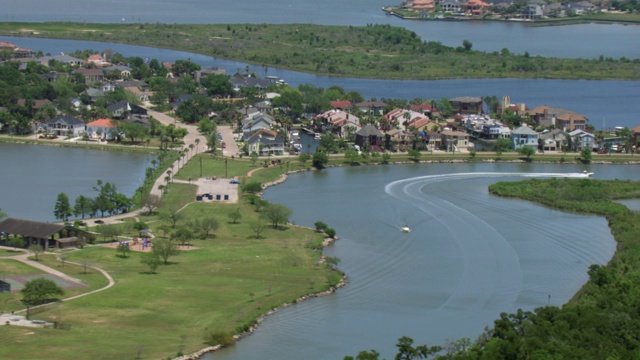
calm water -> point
(32, 176)
(587, 41)
(606, 103)
(468, 257)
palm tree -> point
(197, 143)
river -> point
(585, 40)
(468, 257)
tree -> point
(276, 214)
(320, 226)
(2, 215)
(218, 85)
(183, 234)
(38, 291)
(16, 242)
(586, 155)
(406, 351)
(252, 187)
(467, 45)
(206, 226)
(319, 160)
(152, 260)
(123, 250)
(82, 206)
(132, 130)
(258, 228)
(36, 250)
(415, 154)
(235, 216)
(62, 208)
(503, 144)
(173, 216)
(165, 248)
(150, 202)
(303, 158)
(526, 151)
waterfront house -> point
(532, 12)
(524, 136)
(369, 137)
(419, 5)
(554, 140)
(571, 121)
(567, 120)
(454, 140)
(434, 140)
(395, 137)
(451, 6)
(581, 139)
(337, 122)
(467, 105)
(476, 7)
(62, 58)
(371, 107)
(102, 129)
(255, 123)
(265, 142)
(65, 126)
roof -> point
(341, 104)
(467, 99)
(524, 130)
(66, 119)
(369, 130)
(102, 123)
(30, 228)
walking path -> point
(24, 259)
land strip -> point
(373, 51)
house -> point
(369, 137)
(451, 6)
(62, 58)
(476, 7)
(91, 75)
(419, 5)
(178, 100)
(454, 140)
(570, 121)
(265, 142)
(524, 136)
(255, 123)
(371, 107)
(567, 120)
(467, 105)
(141, 95)
(102, 129)
(94, 94)
(581, 139)
(425, 109)
(123, 109)
(433, 140)
(199, 75)
(532, 12)
(65, 126)
(406, 118)
(46, 235)
(635, 132)
(337, 122)
(97, 60)
(239, 82)
(396, 136)
(36, 104)
(123, 72)
(553, 140)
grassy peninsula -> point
(373, 51)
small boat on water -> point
(405, 229)
(317, 136)
(585, 173)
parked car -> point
(99, 222)
(224, 145)
(234, 181)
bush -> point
(140, 225)
(320, 226)
(252, 187)
(330, 232)
(219, 338)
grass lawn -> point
(228, 281)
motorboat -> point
(317, 136)
(405, 229)
(585, 173)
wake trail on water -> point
(491, 276)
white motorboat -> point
(405, 229)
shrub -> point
(219, 338)
(330, 232)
